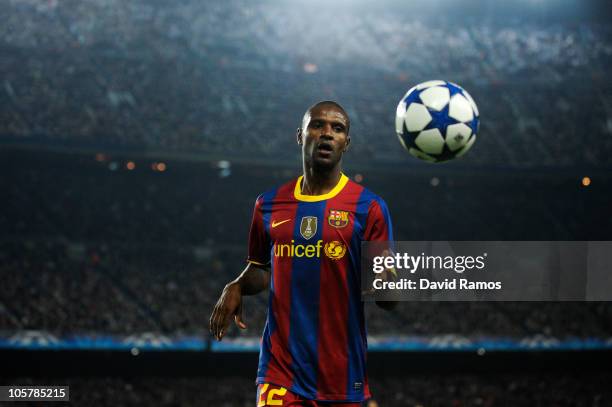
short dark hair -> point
(333, 103)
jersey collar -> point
(297, 192)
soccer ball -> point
(437, 121)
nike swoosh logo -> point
(275, 224)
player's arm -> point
(253, 280)
(379, 229)
(389, 274)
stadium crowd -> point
(90, 246)
(53, 288)
(212, 78)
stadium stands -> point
(90, 246)
(226, 79)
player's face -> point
(324, 136)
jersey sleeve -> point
(378, 226)
(259, 239)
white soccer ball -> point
(437, 121)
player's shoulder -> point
(373, 207)
(284, 190)
(366, 196)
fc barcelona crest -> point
(308, 227)
(338, 219)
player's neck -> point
(320, 182)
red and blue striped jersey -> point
(314, 341)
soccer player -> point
(305, 246)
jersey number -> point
(270, 401)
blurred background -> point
(136, 135)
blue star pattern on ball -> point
(440, 120)
(454, 89)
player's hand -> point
(385, 299)
(385, 275)
(229, 305)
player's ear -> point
(348, 141)
(299, 137)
